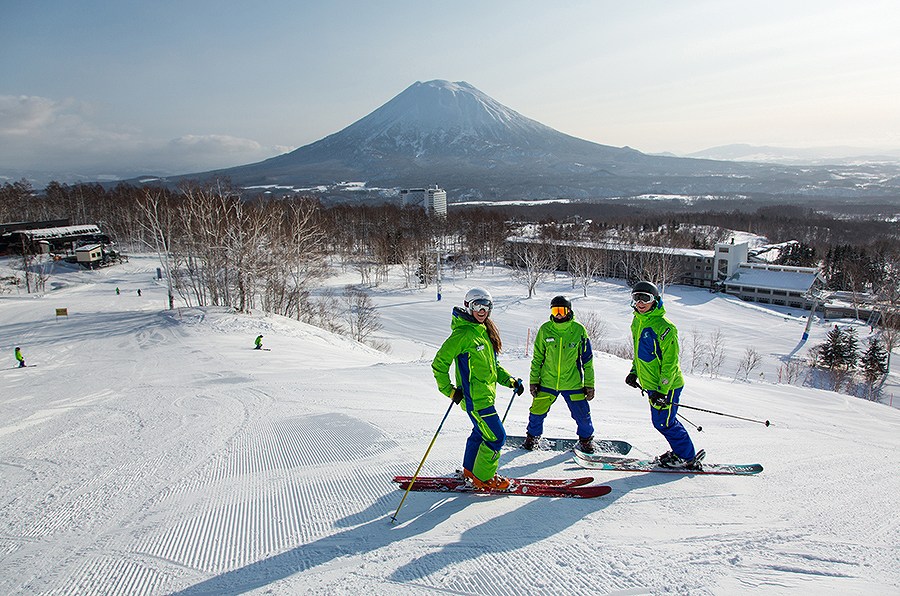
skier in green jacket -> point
(19, 357)
(656, 370)
(258, 342)
(472, 347)
(563, 364)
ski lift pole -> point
(422, 463)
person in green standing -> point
(563, 364)
(656, 371)
(258, 342)
(472, 347)
(19, 357)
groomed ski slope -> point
(153, 452)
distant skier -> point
(258, 342)
(19, 357)
(473, 346)
(655, 369)
(117, 291)
(139, 292)
(563, 364)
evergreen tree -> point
(840, 350)
(874, 361)
(850, 349)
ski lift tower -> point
(812, 314)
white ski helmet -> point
(478, 296)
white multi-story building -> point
(726, 268)
(433, 199)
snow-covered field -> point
(146, 451)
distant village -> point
(733, 268)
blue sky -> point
(192, 85)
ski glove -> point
(534, 388)
(457, 395)
(588, 393)
(632, 380)
(519, 387)
(659, 400)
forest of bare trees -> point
(271, 253)
(220, 248)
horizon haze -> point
(195, 87)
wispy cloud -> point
(66, 134)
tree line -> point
(228, 249)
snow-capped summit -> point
(440, 116)
(455, 135)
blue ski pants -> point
(482, 455)
(666, 422)
(579, 408)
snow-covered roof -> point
(794, 279)
(58, 232)
(88, 248)
(687, 252)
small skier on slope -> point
(655, 369)
(563, 364)
(258, 342)
(473, 346)
(19, 357)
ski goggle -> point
(559, 311)
(644, 297)
(480, 305)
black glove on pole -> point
(632, 380)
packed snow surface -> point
(148, 451)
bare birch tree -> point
(532, 263)
(585, 264)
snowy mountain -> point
(799, 156)
(148, 451)
(456, 136)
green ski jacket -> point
(477, 368)
(656, 351)
(563, 359)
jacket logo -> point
(550, 339)
(665, 333)
(479, 348)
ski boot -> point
(586, 444)
(531, 442)
(496, 483)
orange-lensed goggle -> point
(559, 311)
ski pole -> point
(766, 422)
(669, 403)
(699, 428)
(509, 406)
(422, 463)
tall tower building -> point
(433, 199)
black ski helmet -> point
(561, 301)
(647, 287)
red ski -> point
(531, 487)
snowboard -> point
(593, 461)
(551, 444)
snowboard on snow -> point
(551, 444)
(595, 461)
